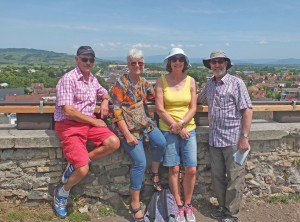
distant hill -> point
(23, 56)
(289, 61)
(160, 59)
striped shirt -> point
(72, 89)
(226, 100)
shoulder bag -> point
(135, 116)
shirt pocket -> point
(221, 101)
(85, 94)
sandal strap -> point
(154, 174)
(134, 211)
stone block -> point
(117, 171)
(286, 117)
(35, 121)
(7, 165)
(48, 169)
(119, 179)
(32, 163)
(38, 195)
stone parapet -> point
(31, 164)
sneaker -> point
(218, 214)
(66, 175)
(60, 204)
(189, 215)
(180, 216)
(230, 219)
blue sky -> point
(243, 29)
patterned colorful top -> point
(226, 101)
(124, 93)
(72, 89)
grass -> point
(106, 211)
(25, 214)
(283, 198)
(43, 212)
(296, 162)
(78, 217)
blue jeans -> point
(176, 146)
(138, 157)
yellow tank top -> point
(177, 103)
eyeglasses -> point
(92, 60)
(137, 63)
(220, 62)
(180, 59)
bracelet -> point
(182, 122)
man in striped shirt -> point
(76, 94)
(230, 116)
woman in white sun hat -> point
(176, 103)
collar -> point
(79, 75)
(224, 79)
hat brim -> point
(206, 63)
(185, 56)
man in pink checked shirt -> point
(76, 94)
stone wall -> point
(31, 164)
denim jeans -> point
(138, 157)
(180, 148)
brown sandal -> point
(134, 212)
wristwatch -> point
(245, 135)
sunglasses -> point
(180, 59)
(92, 60)
(220, 62)
(137, 63)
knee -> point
(83, 171)
(140, 163)
(191, 171)
(113, 142)
(174, 170)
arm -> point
(104, 107)
(202, 98)
(102, 95)
(246, 125)
(130, 138)
(74, 114)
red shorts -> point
(73, 137)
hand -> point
(243, 144)
(184, 134)
(131, 139)
(176, 127)
(104, 108)
(99, 122)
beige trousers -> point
(228, 178)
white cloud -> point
(263, 42)
(173, 45)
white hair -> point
(134, 54)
